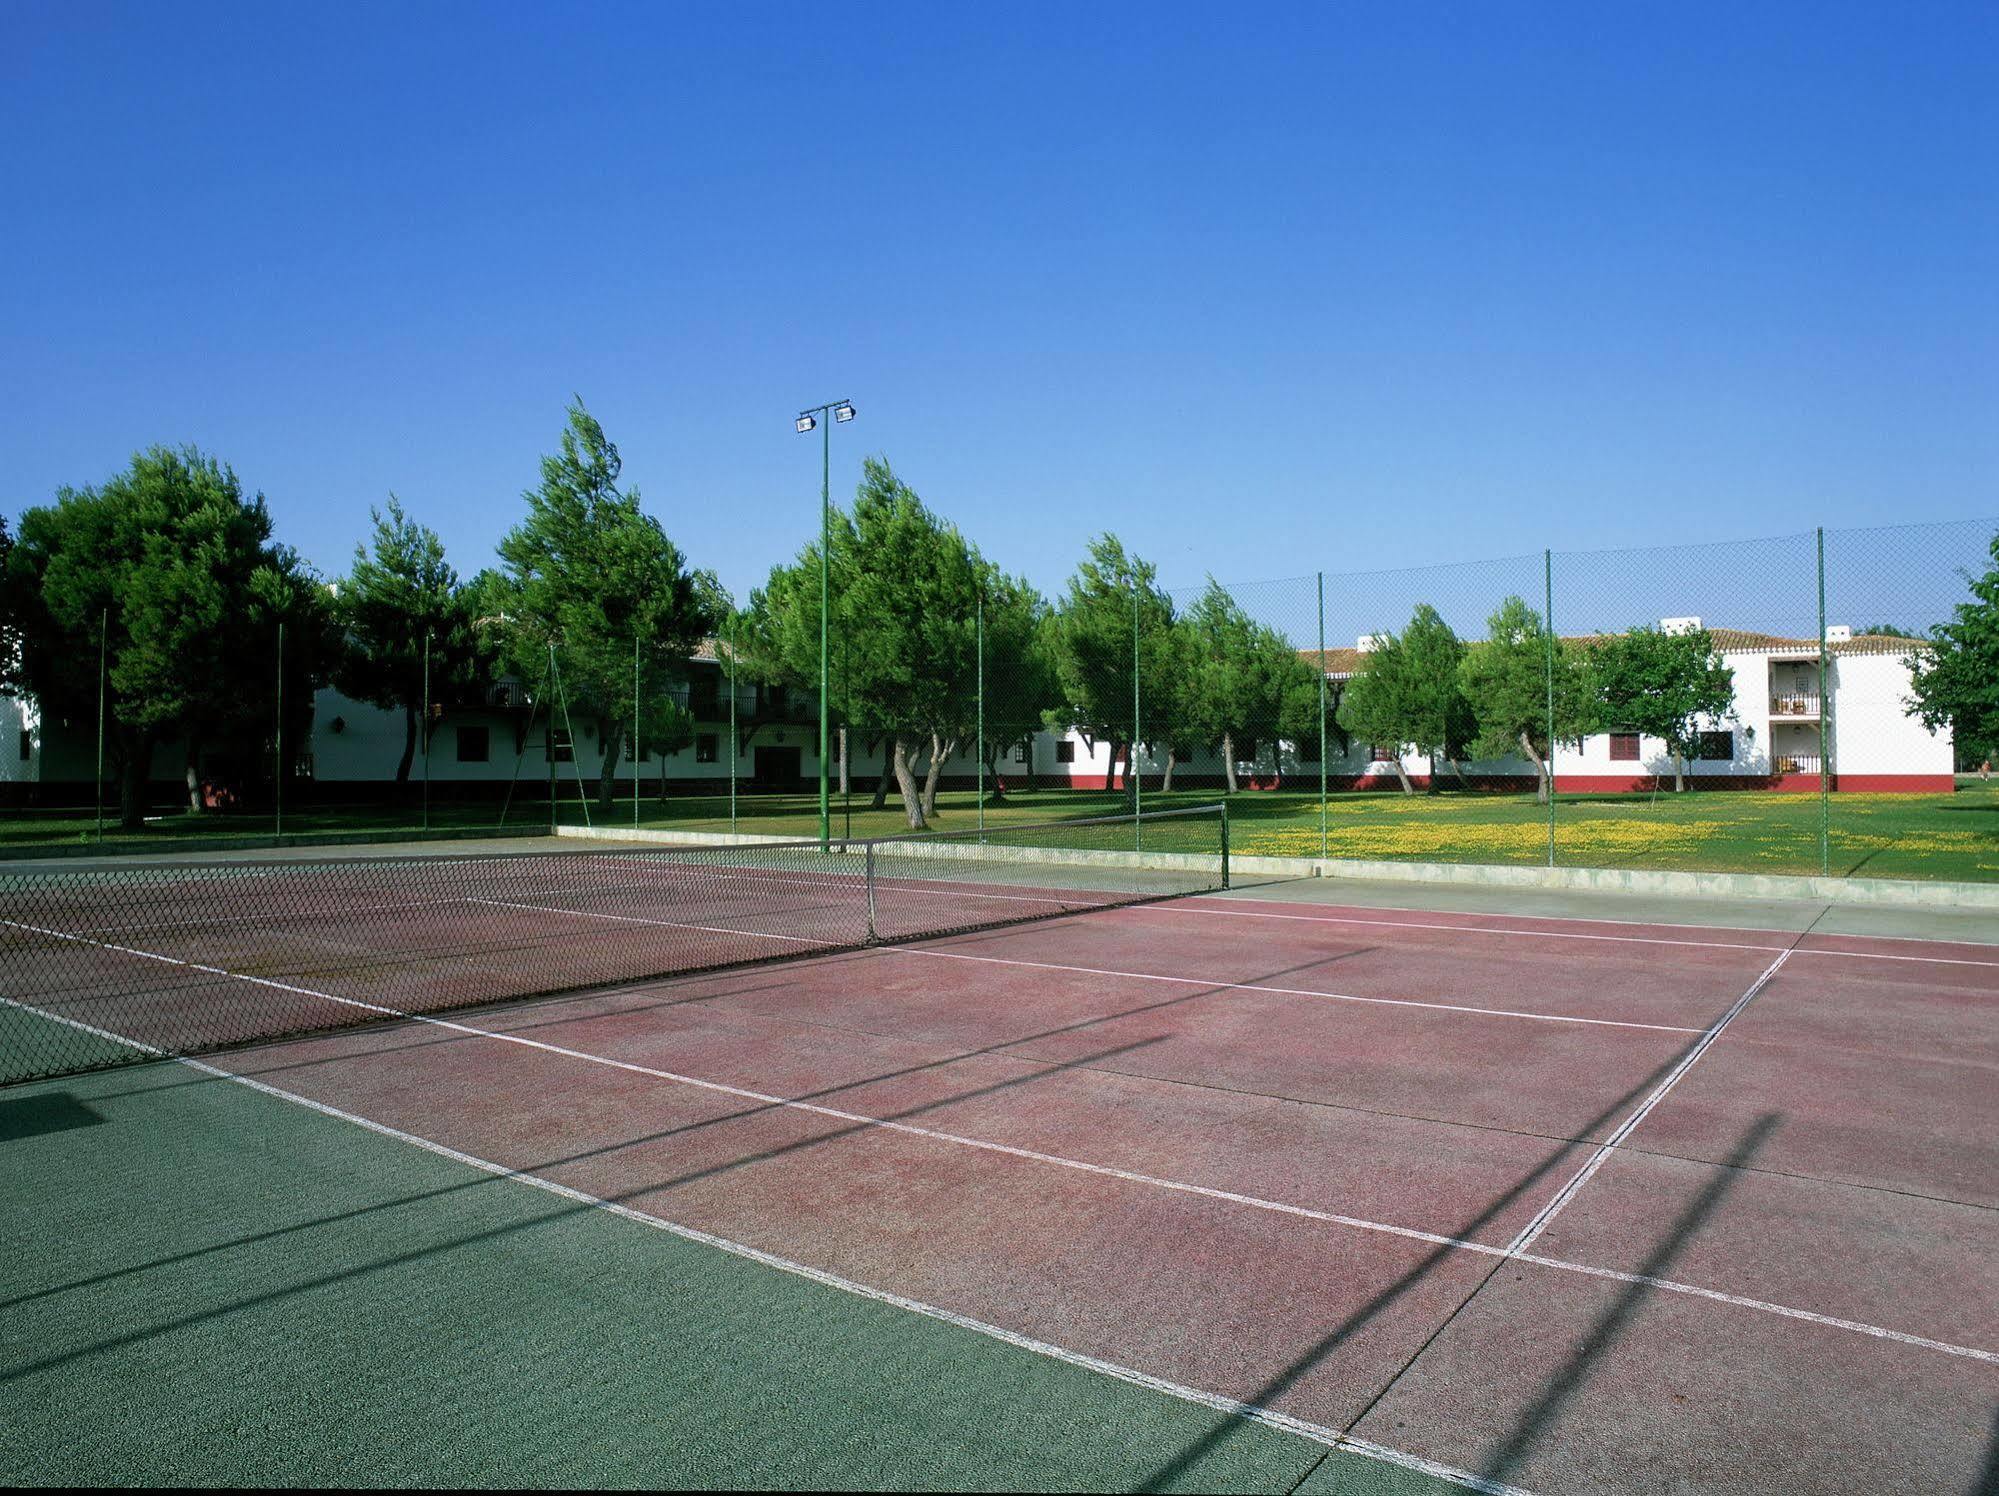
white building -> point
(1769, 740)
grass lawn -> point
(1883, 836)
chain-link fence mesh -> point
(1414, 714)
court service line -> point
(1598, 919)
(1344, 997)
(1108, 1171)
(1567, 1192)
(1411, 924)
(1250, 1413)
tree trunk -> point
(938, 753)
(191, 777)
(905, 781)
(1228, 761)
(1458, 769)
(888, 768)
(1402, 774)
(607, 778)
(1679, 773)
(1541, 786)
(135, 761)
(845, 783)
(409, 746)
(995, 790)
(1166, 781)
(1433, 786)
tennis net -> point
(108, 966)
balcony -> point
(1796, 706)
(1795, 763)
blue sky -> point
(1333, 287)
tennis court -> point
(1295, 1186)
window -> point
(1717, 747)
(1624, 747)
(474, 744)
(27, 745)
(1245, 749)
(1065, 751)
(1381, 755)
(564, 751)
(707, 747)
(1020, 755)
(1306, 749)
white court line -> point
(1553, 1208)
(1344, 997)
(1410, 924)
(1250, 1413)
(1595, 919)
(665, 924)
(1502, 930)
(1057, 1160)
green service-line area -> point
(211, 1286)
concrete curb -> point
(1884, 892)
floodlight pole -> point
(822, 416)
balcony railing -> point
(1795, 763)
(1795, 704)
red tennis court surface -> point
(1560, 1204)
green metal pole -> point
(1825, 742)
(1548, 627)
(635, 731)
(426, 729)
(825, 611)
(551, 741)
(732, 738)
(1131, 751)
(979, 745)
(1225, 844)
(103, 655)
(281, 731)
(1322, 714)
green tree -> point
(406, 624)
(1242, 680)
(1019, 671)
(1884, 631)
(1409, 695)
(589, 574)
(1663, 685)
(174, 570)
(1113, 596)
(1506, 682)
(1955, 677)
(904, 589)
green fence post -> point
(1825, 710)
(979, 743)
(551, 741)
(732, 736)
(103, 655)
(1548, 627)
(1131, 750)
(426, 729)
(1225, 844)
(635, 732)
(280, 786)
(1322, 715)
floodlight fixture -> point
(844, 411)
(806, 422)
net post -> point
(1825, 708)
(869, 876)
(1225, 844)
(1548, 628)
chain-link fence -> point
(1755, 706)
